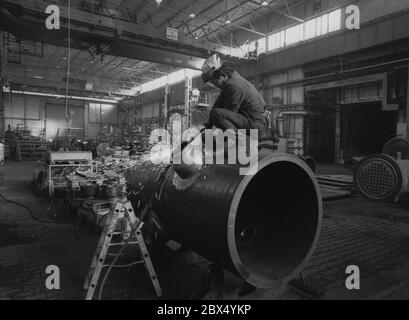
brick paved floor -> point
(373, 236)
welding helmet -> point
(209, 67)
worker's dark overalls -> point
(239, 106)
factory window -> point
(319, 26)
(276, 40)
(322, 25)
(334, 19)
(294, 34)
(311, 29)
(102, 113)
(261, 45)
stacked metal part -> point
(380, 177)
(384, 177)
(397, 148)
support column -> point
(2, 108)
(401, 125)
(165, 111)
(188, 111)
(338, 153)
(406, 135)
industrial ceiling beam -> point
(57, 85)
(184, 14)
(255, 10)
(218, 17)
(157, 10)
(271, 6)
(54, 90)
(145, 46)
(236, 25)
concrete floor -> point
(373, 236)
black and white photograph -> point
(203, 157)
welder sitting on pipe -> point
(240, 105)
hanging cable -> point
(68, 63)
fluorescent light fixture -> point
(60, 96)
(39, 77)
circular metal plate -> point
(379, 178)
(395, 146)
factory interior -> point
(88, 210)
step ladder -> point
(121, 209)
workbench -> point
(62, 164)
(28, 148)
(58, 174)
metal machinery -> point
(21, 144)
(263, 227)
(380, 177)
(397, 148)
(62, 164)
(384, 177)
(188, 102)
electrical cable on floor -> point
(31, 212)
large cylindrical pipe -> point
(262, 228)
(380, 177)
